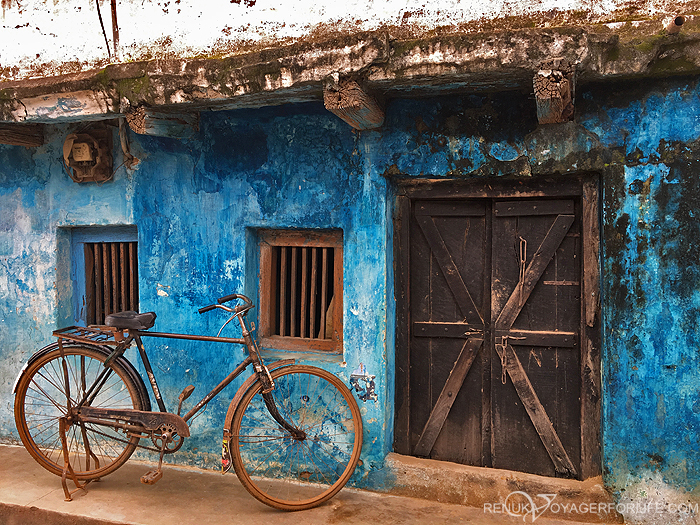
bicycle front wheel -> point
(47, 389)
(291, 473)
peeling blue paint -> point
(363, 384)
(198, 203)
(504, 151)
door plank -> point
(451, 209)
(447, 396)
(590, 347)
(534, 271)
(538, 415)
(528, 207)
(403, 326)
(451, 330)
(449, 268)
(540, 338)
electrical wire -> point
(104, 33)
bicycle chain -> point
(138, 445)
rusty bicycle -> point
(292, 433)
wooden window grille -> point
(111, 279)
(301, 290)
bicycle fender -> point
(106, 351)
(244, 388)
(40, 353)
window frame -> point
(269, 239)
(81, 236)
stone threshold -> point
(502, 491)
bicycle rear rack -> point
(103, 335)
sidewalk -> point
(29, 495)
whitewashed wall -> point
(45, 38)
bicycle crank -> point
(165, 435)
(167, 439)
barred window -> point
(301, 290)
(104, 271)
(111, 279)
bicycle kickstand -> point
(67, 468)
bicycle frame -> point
(247, 340)
(214, 392)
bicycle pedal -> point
(151, 477)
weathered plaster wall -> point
(196, 201)
(643, 140)
(36, 199)
(42, 38)
(196, 204)
(288, 169)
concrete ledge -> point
(446, 63)
(487, 488)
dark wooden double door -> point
(497, 361)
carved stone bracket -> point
(349, 101)
(136, 118)
(554, 85)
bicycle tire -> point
(291, 474)
(41, 400)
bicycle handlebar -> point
(227, 298)
(206, 308)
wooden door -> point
(496, 353)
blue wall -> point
(197, 203)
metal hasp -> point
(554, 85)
(349, 101)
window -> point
(301, 290)
(105, 266)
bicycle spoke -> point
(255, 468)
(320, 464)
(47, 396)
(309, 455)
(43, 397)
(110, 401)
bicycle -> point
(292, 433)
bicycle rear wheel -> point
(297, 474)
(43, 392)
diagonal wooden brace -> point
(538, 415)
(534, 271)
(449, 268)
(447, 397)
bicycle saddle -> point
(131, 319)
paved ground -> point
(30, 495)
